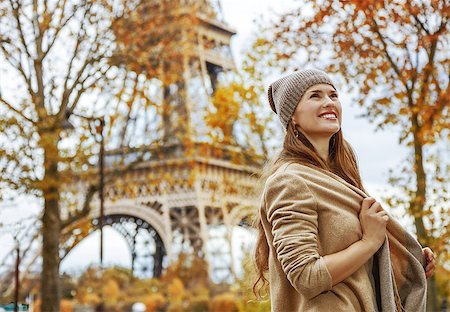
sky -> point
(377, 151)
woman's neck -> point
(321, 145)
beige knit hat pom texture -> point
(285, 93)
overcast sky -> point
(377, 151)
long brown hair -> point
(341, 161)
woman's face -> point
(319, 112)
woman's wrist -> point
(344, 263)
(370, 246)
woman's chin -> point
(332, 130)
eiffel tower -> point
(188, 196)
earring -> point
(296, 134)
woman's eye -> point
(314, 95)
(334, 95)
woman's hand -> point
(373, 222)
(429, 260)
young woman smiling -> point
(327, 246)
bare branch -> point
(92, 189)
(17, 64)
(62, 23)
(9, 57)
(68, 91)
(37, 31)
(84, 88)
(422, 26)
(18, 112)
(389, 57)
(16, 7)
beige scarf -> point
(399, 276)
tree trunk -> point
(418, 205)
(432, 295)
(51, 226)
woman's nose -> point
(328, 102)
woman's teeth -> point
(328, 116)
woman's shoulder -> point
(288, 173)
(287, 181)
(295, 175)
(293, 168)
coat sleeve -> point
(291, 209)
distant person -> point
(325, 244)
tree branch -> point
(39, 99)
(16, 7)
(18, 112)
(37, 30)
(390, 59)
(84, 212)
(83, 89)
(422, 26)
(425, 88)
(62, 24)
(17, 64)
(68, 91)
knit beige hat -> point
(285, 93)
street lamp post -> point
(17, 285)
(15, 231)
(99, 123)
(101, 187)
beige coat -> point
(307, 213)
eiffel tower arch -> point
(186, 199)
(141, 226)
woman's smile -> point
(328, 116)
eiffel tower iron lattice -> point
(188, 195)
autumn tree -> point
(64, 61)
(54, 52)
(394, 55)
(240, 115)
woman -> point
(321, 238)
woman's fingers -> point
(430, 261)
(428, 253)
(377, 207)
(367, 202)
(430, 271)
